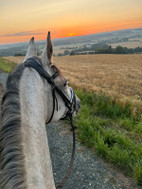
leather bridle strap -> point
(54, 98)
(72, 157)
(32, 63)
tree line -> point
(102, 49)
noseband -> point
(70, 104)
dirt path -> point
(89, 171)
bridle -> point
(35, 63)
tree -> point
(66, 52)
(60, 54)
(73, 53)
(120, 50)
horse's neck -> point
(37, 161)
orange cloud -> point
(61, 32)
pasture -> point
(110, 120)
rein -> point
(32, 63)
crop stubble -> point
(119, 75)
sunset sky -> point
(20, 20)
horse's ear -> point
(47, 52)
(31, 49)
(49, 46)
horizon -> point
(65, 18)
(68, 36)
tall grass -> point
(113, 129)
(6, 65)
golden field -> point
(119, 75)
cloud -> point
(22, 34)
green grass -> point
(6, 65)
(113, 129)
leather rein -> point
(70, 104)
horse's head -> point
(65, 99)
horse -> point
(27, 105)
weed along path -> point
(89, 171)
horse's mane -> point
(11, 155)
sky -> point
(22, 19)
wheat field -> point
(114, 74)
(119, 75)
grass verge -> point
(113, 129)
(6, 65)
